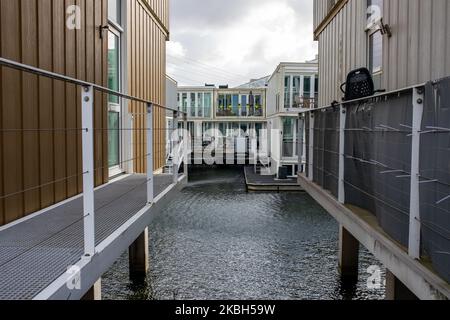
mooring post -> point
(348, 254)
(95, 292)
(139, 256)
(396, 290)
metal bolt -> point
(86, 89)
(86, 99)
(419, 101)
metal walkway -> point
(35, 252)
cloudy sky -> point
(232, 41)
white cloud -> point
(240, 39)
(175, 48)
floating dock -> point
(263, 183)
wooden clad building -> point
(417, 51)
(113, 43)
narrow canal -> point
(216, 241)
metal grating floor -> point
(36, 252)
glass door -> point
(114, 83)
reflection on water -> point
(216, 241)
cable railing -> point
(139, 132)
(387, 154)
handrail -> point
(383, 94)
(27, 68)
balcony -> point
(240, 112)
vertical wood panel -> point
(30, 108)
(11, 111)
(46, 103)
(71, 112)
(59, 96)
(34, 32)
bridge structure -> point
(380, 167)
(61, 252)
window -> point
(192, 105)
(244, 105)
(316, 85)
(296, 93)
(375, 52)
(307, 87)
(114, 73)
(287, 92)
(258, 105)
(235, 104)
(288, 137)
(114, 11)
(113, 65)
(184, 103)
(200, 105)
(207, 104)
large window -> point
(375, 52)
(114, 83)
(307, 87)
(192, 104)
(287, 92)
(208, 104)
(114, 11)
(288, 137)
(235, 105)
(296, 91)
(200, 105)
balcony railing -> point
(240, 112)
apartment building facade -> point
(112, 43)
(291, 88)
(216, 113)
(402, 42)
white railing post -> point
(414, 212)
(186, 145)
(342, 125)
(149, 130)
(87, 119)
(176, 141)
(311, 147)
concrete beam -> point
(348, 254)
(416, 276)
(138, 256)
(396, 290)
(95, 292)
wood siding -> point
(40, 119)
(147, 78)
(418, 51)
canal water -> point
(216, 241)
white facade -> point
(291, 87)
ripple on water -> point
(216, 241)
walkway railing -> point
(389, 154)
(88, 131)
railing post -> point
(342, 125)
(87, 119)
(186, 145)
(175, 136)
(414, 212)
(150, 193)
(311, 147)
